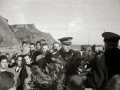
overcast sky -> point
(61, 18)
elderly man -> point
(105, 65)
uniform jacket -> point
(72, 60)
(104, 67)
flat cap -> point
(110, 37)
(66, 40)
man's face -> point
(19, 61)
(66, 48)
(4, 64)
(35, 70)
(38, 46)
(27, 59)
(56, 46)
(24, 45)
(44, 49)
(32, 47)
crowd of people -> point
(23, 71)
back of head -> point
(111, 39)
(6, 80)
(114, 83)
(75, 82)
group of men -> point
(31, 63)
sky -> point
(84, 20)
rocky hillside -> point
(29, 33)
(7, 37)
(14, 34)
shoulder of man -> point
(100, 60)
(60, 52)
(76, 53)
(99, 55)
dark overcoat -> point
(104, 67)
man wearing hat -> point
(69, 55)
(106, 65)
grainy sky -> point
(76, 18)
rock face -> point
(14, 34)
(29, 33)
(7, 37)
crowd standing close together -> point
(39, 67)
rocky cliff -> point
(14, 34)
(7, 37)
(29, 33)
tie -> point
(17, 69)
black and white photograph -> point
(59, 45)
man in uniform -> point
(71, 57)
(105, 65)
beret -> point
(66, 40)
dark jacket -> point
(35, 54)
(72, 60)
(105, 66)
(23, 75)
